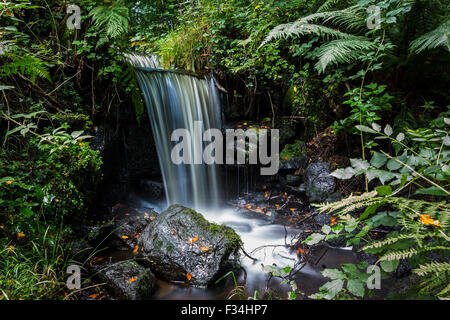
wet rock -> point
(128, 226)
(319, 185)
(322, 219)
(371, 259)
(92, 234)
(293, 180)
(180, 241)
(287, 133)
(294, 163)
(140, 149)
(153, 189)
(129, 280)
(403, 269)
(269, 215)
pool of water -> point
(266, 244)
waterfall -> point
(174, 101)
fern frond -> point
(388, 241)
(350, 203)
(301, 28)
(405, 254)
(350, 18)
(112, 20)
(25, 64)
(433, 39)
(343, 51)
(332, 4)
(432, 267)
(6, 46)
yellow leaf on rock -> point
(136, 248)
(124, 237)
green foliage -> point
(424, 159)
(294, 150)
(433, 39)
(286, 275)
(345, 284)
(366, 106)
(421, 226)
(35, 270)
(110, 21)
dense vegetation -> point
(317, 64)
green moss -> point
(294, 150)
(234, 241)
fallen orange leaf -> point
(189, 276)
(426, 219)
(93, 296)
(124, 237)
(131, 280)
(192, 240)
(136, 248)
(204, 249)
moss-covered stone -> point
(180, 241)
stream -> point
(268, 243)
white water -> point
(174, 101)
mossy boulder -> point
(128, 280)
(181, 245)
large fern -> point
(25, 64)
(438, 37)
(111, 21)
(345, 30)
(343, 46)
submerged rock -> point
(128, 280)
(180, 245)
(319, 185)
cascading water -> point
(174, 101)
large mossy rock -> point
(129, 280)
(181, 245)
